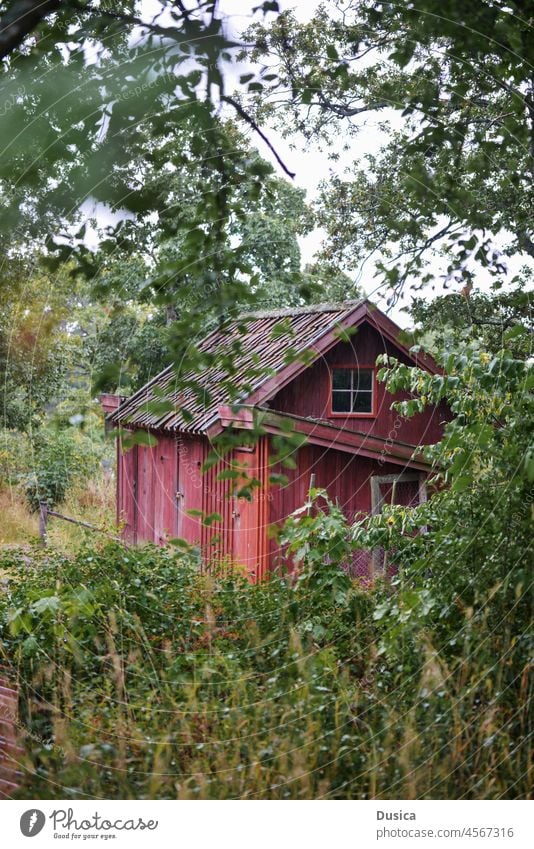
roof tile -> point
(263, 347)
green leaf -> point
(211, 518)
(139, 437)
(462, 483)
(513, 333)
(47, 604)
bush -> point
(15, 456)
(62, 456)
(142, 678)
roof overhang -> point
(318, 432)
(135, 412)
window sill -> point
(352, 415)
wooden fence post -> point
(43, 518)
(311, 486)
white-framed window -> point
(353, 391)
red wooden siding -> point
(146, 486)
(165, 469)
(191, 455)
(217, 537)
(159, 486)
(251, 518)
(346, 478)
(163, 493)
(126, 491)
(145, 493)
(309, 394)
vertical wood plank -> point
(164, 473)
(127, 491)
(191, 455)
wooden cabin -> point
(357, 447)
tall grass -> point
(18, 526)
(91, 500)
(141, 678)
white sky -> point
(311, 165)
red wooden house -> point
(357, 447)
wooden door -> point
(245, 531)
(189, 495)
(145, 494)
(165, 473)
(127, 492)
(250, 518)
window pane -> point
(362, 402)
(341, 402)
(363, 378)
(341, 378)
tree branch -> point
(251, 122)
(343, 111)
(525, 243)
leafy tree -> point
(36, 352)
(460, 170)
(143, 82)
(473, 542)
(125, 113)
(143, 298)
(263, 223)
(453, 319)
(326, 282)
(61, 457)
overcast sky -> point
(312, 165)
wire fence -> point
(45, 513)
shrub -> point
(142, 678)
(15, 456)
(62, 456)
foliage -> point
(145, 312)
(149, 149)
(323, 281)
(463, 556)
(61, 456)
(36, 353)
(79, 108)
(459, 170)
(142, 678)
(452, 320)
(139, 673)
(15, 456)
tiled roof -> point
(264, 340)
